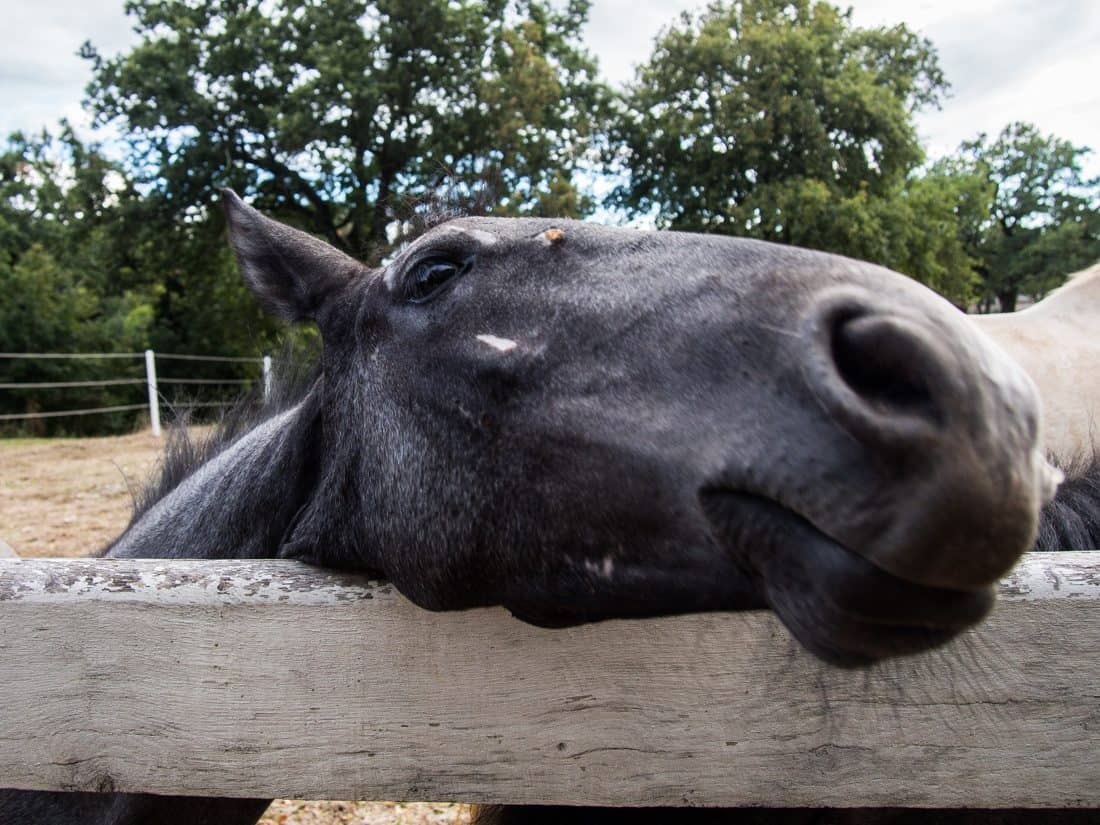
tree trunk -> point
(1007, 300)
(377, 234)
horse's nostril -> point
(949, 456)
(888, 362)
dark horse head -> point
(582, 423)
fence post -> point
(151, 382)
(267, 377)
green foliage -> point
(782, 121)
(927, 230)
(735, 106)
(912, 228)
(335, 117)
(330, 114)
(1045, 217)
(66, 274)
(46, 306)
(87, 264)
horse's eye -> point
(429, 277)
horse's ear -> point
(292, 273)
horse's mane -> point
(292, 377)
(1071, 521)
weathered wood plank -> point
(270, 679)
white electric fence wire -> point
(60, 413)
(34, 355)
(53, 385)
(150, 380)
(209, 358)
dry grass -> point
(70, 497)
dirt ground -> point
(70, 497)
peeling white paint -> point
(497, 343)
(197, 582)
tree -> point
(753, 98)
(331, 114)
(782, 121)
(69, 279)
(929, 232)
(75, 277)
(88, 264)
(1045, 216)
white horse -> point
(1057, 342)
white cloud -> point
(41, 77)
(621, 34)
(1007, 60)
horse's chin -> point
(841, 607)
(837, 604)
(829, 629)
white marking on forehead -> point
(500, 344)
(482, 237)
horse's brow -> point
(483, 237)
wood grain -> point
(267, 678)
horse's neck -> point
(239, 504)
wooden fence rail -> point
(267, 678)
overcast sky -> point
(1034, 60)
